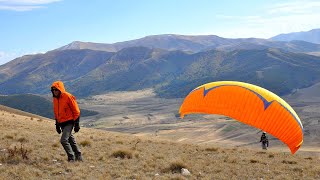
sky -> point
(38, 26)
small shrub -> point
(296, 169)
(119, 142)
(138, 141)
(159, 157)
(261, 152)
(308, 158)
(212, 149)
(8, 136)
(17, 152)
(55, 145)
(85, 143)
(271, 155)
(122, 154)
(175, 167)
(233, 161)
(289, 162)
(22, 140)
(253, 161)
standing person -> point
(264, 141)
(67, 115)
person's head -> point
(264, 133)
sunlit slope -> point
(107, 155)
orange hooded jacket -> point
(65, 106)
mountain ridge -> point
(163, 62)
(88, 72)
(312, 36)
(172, 42)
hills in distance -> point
(198, 43)
(171, 64)
(312, 36)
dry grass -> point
(122, 154)
(85, 143)
(39, 155)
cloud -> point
(24, 5)
(297, 7)
(274, 20)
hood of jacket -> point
(59, 85)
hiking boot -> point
(71, 159)
(79, 157)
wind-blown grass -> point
(42, 157)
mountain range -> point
(173, 42)
(312, 36)
(171, 64)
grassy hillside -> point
(35, 104)
(30, 149)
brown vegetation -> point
(30, 149)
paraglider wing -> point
(249, 104)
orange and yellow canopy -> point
(249, 104)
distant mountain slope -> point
(172, 42)
(308, 95)
(35, 73)
(19, 112)
(166, 41)
(312, 36)
(172, 73)
(35, 105)
(276, 70)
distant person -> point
(67, 116)
(264, 141)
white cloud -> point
(28, 1)
(278, 19)
(19, 8)
(295, 7)
(24, 5)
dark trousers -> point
(68, 141)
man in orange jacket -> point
(67, 115)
